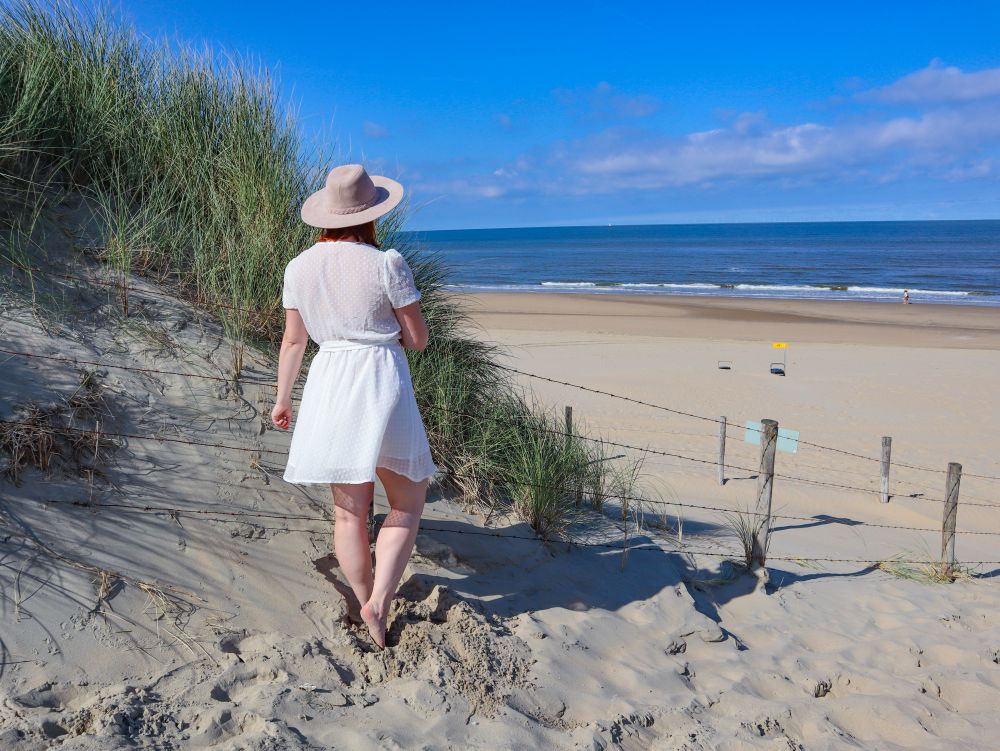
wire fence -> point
(712, 462)
(604, 441)
(240, 516)
(717, 421)
(123, 284)
(219, 515)
(639, 500)
(645, 450)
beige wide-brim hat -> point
(351, 197)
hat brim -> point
(315, 214)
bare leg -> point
(350, 535)
(393, 546)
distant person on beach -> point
(358, 417)
(906, 297)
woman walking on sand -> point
(358, 417)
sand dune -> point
(183, 596)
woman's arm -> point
(293, 347)
(412, 326)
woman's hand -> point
(281, 415)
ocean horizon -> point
(938, 261)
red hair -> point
(358, 233)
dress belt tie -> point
(335, 345)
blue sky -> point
(523, 114)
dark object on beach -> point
(778, 368)
(725, 365)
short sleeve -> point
(288, 296)
(399, 284)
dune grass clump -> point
(59, 434)
(746, 527)
(185, 167)
(189, 164)
(926, 570)
(540, 470)
(30, 442)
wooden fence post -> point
(950, 518)
(886, 456)
(765, 485)
(722, 450)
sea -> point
(937, 261)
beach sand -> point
(185, 597)
(913, 663)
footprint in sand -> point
(966, 695)
(329, 618)
(949, 656)
(241, 682)
(822, 641)
(57, 696)
(224, 725)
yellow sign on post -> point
(780, 368)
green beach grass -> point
(194, 173)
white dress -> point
(358, 410)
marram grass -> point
(193, 173)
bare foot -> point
(375, 623)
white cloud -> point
(605, 101)
(461, 187)
(939, 83)
(975, 170)
(374, 130)
(952, 135)
(938, 139)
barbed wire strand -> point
(616, 496)
(713, 462)
(486, 532)
(123, 285)
(718, 421)
(261, 450)
(98, 364)
(254, 311)
(684, 413)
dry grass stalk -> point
(164, 603)
(87, 402)
(19, 598)
(37, 435)
(28, 443)
(167, 600)
(474, 489)
(104, 581)
(90, 450)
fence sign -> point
(788, 440)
